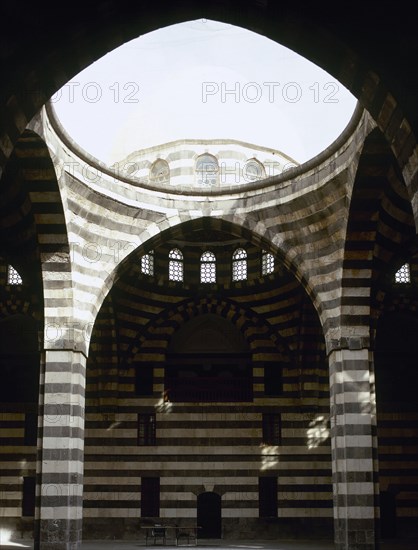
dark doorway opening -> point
(387, 514)
(209, 516)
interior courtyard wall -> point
(383, 106)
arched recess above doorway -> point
(208, 333)
(208, 360)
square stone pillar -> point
(59, 491)
(354, 449)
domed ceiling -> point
(203, 80)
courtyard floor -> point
(399, 544)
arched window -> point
(239, 265)
(159, 172)
(175, 265)
(403, 275)
(208, 267)
(13, 277)
(254, 170)
(267, 263)
(147, 263)
(207, 169)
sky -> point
(203, 80)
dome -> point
(203, 80)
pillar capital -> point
(347, 342)
(68, 334)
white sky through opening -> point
(203, 80)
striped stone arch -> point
(256, 330)
(35, 239)
(246, 227)
(380, 229)
(33, 201)
(106, 25)
(239, 227)
(380, 224)
(40, 180)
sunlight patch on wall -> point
(164, 405)
(318, 431)
(269, 456)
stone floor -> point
(404, 544)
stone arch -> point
(34, 234)
(109, 26)
(253, 328)
(380, 229)
(247, 227)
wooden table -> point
(158, 531)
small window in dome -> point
(208, 267)
(207, 169)
(267, 263)
(403, 274)
(159, 172)
(239, 265)
(13, 277)
(147, 263)
(175, 265)
(253, 171)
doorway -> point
(209, 516)
(387, 515)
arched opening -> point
(159, 172)
(180, 369)
(207, 170)
(208, 361)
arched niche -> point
(208, 360)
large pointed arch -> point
(326, 40)
(256, 331)
(34, 233)
(380, 231)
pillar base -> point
(58, 534)
(352, 538)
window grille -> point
(403, 275)
(147, 263)
(272, 429)
(146, 429)
(160, 172)
(175, 265)
(239, 265)
(254, 170)
(207, 169)
(267, 263)
(13, 277)
(208, 267)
